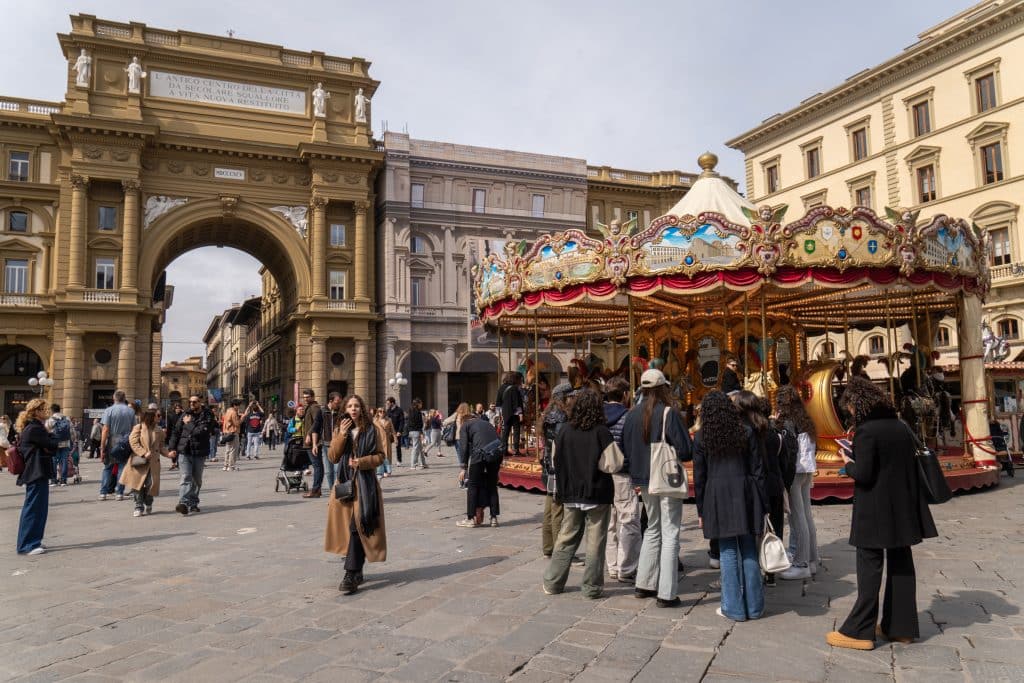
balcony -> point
(19, 300)
(23, 106)
(340, 305)
(104, 296)
(1007, 271)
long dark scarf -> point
(365, 480)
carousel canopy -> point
(715, 254)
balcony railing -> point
(101, 296)
(340, 305)
(1007, 271)
(19, 300)
(29, 106)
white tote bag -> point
(772, 554)
(668, 478)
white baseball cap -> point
(653, 378)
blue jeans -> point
(108, 483)
(658, 566)
(33, 515)
(742, 587)
(213, 446)
(60, 465)
(191, 478)
(418, 459)
(317, 463)
(330, 469)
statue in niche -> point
(135, 76)
(320, 97)
(83, 69)
(361, 101)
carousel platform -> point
(523, 473)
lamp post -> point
(398, 380)
(41, 382)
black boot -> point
(348, 583)
(358, 578)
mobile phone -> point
(846, 446)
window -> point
(16, 276)
(921, 113)
(632, 216)
(595, 215)
(337, 234)
(538, 206)
(417, 245)
(985, 92)
(1008, 328)
(107, 219)
(862, 197)
(813, 157)
(828, 349)
(1000, 254)
(859, 140)
(992, 163)
(876, 344)
(417, 291)
(18, 167)
(337, 292)
(479, 200)
(17, 221)
(943, 337)
(926, 184)
(104, 273)
(416, 199)
(771, 178)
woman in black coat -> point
(890, 514)
(38, 447)
(728, 479)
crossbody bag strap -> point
(664, 423)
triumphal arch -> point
(168, 141)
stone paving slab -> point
(243, 591)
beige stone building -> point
(936, 129)
(207, 140)
(181, 379)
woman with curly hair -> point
(728, 478)
(586, 493)
(890, 514)
(803, 534)
(37, 447)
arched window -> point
(1008, 328)
(876, 344)
(418, 245)
(944, 336)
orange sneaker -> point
(837, 639)
(880, 634)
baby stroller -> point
(74, 474)
(294, 463)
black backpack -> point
(448, 434)
(789, 452)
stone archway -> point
(18, 362)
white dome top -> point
(711, 193)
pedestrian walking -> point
(271, 431)
(191, 443)
(655, 417)
(60, 426)
(586, 493)
(332, 414)
(624, 537)
(148, 443)
(95, 435)
(890, 514)
(6, 434)
(382, 423)
(117, 421)
(555, 417)
(803, 533)
(230, 428)
(434, 424)
(355, 523)
(397, 417)
(414, 426)
(214, 440)
(37, 446)
(312, 433)
(478, 466)
(510, 401)
(252, 424)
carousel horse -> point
(996, 348)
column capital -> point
(319, 202)
(131, 185)
(361, 207)
(79, 181)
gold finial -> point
(707, 161)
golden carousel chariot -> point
(718, 278)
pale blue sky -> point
(639, 85)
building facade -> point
(936, 130)
(181, 379)
(204, 140)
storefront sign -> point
(229, 93)
(229, 173)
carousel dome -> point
(710, 193)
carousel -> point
(717, 279)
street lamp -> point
(398, 380)
(41, 382)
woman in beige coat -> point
(147, 441)
(355, 528)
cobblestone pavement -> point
(243, 591)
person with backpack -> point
(795, 420)
(60, 426)
(479, 463)
(37, 447)
(624, 535)
(555, 417)
(252, 422)
(655, 419)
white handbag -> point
(772, 554)
(668, 478)
(611, 459)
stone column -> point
(130, 236)
(972, 381)
(318, 371)
(449, 283)
(360, 255)
(441, 392)
(126, 366)
(319, 247)
(362, 368)
(74, 379)
(76, 249)
(389, 260)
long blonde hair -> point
(35, 410)
(462, 412)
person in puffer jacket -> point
(624, 536)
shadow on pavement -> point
(435, 571)
(947, 610)
(116, 542)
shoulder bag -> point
(611, 459)
(668, 478)
(15, 460)
(772, 553)
(934, 486)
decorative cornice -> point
(504, 171)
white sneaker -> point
(37, 551)
(137, 513)
(120, 496)
(103, 496)
(795, 573)
(713, 563)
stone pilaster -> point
(74, 379)
(76, 250)
(130, 236)
(362, 368)
(318, 245)
(318, 369)
(126, 366)
(361, 274)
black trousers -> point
(899, 605)
(398, 449)
(482, 489)
(511, 427)
(356, 557)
